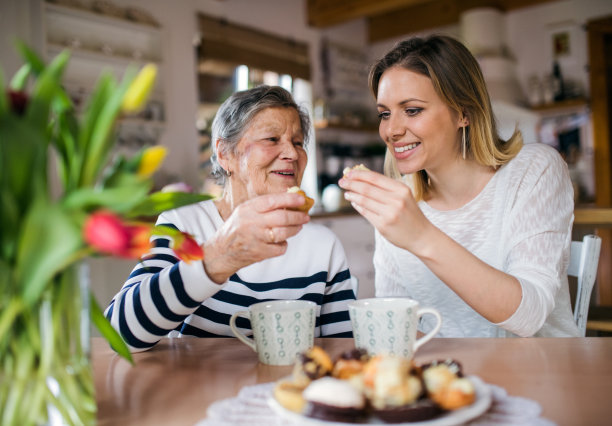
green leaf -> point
(4, 106)
(20, 79)
(108, 332)
(161, 201)
(30, 57)
(104, 87)
(100, 143)
(46, 89)
(49, 242)
(118, 199)
(23, 161)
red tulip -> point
(186, 248)
(18, 101)
(105, 232)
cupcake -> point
(350, 363)
(335, 400)
(311, 365)
(396, 392)
(446, 386)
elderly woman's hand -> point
(256, 230)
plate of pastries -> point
(357, 388)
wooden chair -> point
(584, 258)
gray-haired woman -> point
(256, 247)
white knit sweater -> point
(521, 224)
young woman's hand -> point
(389, 206)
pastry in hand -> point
(289, 395)
(311, 365)
(308, 202)
(334, 400)
(357, 167)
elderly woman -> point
(256, 247)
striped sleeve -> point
(159, 294)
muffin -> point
(350, 363)
(446, 386)
(396, 392)
(308, 202)
(311, 365)
(335, 400)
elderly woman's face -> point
(270, 157)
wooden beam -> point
(324, 13)
(433, 14)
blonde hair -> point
(458, 80)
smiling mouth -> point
(284, 172)
(405, 148)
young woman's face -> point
(417, 126)
(270, 157)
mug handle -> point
(232, 323)
(433, 332)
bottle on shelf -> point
(558, 85)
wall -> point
(528, 34)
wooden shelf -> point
(596, 217)
(561, 106)
(92, 16)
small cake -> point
(357, 167)
(289, 395)
(311, 365)
(350, 363)
(446, 386)
(308, 202)
(396, 392)
(336, 400)
(458, 393)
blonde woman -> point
(473, 225)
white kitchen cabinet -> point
(357, 237)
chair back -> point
(584, 259)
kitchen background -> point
(198, 45)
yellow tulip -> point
(139, 90)
(151, 160)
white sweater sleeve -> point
(538, 239)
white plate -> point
(450, 418)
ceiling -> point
(392, 18)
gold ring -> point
(271, 235)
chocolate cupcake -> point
(396, 392)
(335, 400)
(350, 363)
(311, 365)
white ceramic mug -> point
(389, 325)
(281, 329)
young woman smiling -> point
(473, 225)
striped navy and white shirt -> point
(163, 294)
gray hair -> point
(236, 113)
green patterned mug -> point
(389, 325)
(281, 329)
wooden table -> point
(175, 382)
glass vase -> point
(45, 356)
